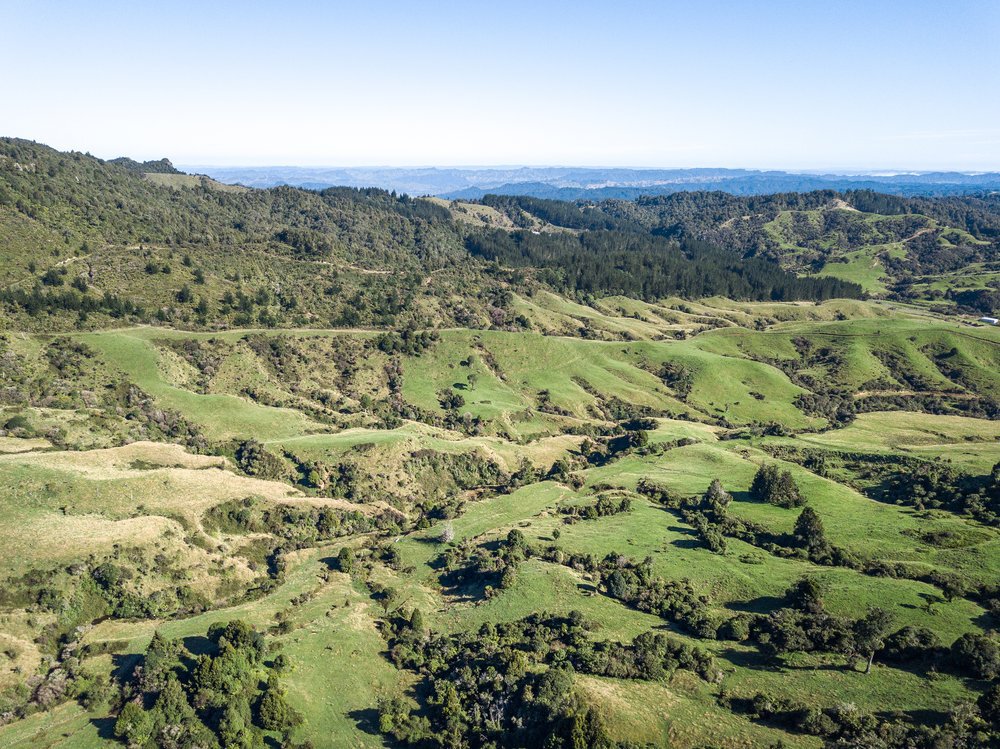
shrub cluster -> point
(225, 697)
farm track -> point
(876, 335)
(936, 394)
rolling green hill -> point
(402, 493)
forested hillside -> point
(366, 257)
(100, 243)
(943, 251)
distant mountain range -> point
(574, 183)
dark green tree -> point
(775, 487)
(869, 634)
(809, 533)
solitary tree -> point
(515, 539)
(450, 400)
(417, 621)
(716, 500)
(869, 634)
(390, 599)
(447, 534)
(809, 533)
(806, 595)
(775, 487)
(345, 559)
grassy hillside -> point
(360, 437)
(287, 468)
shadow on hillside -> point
(467, 582)
(331, 563)
(467, 585)
(434, 540)
(921, 717)
(438, 561)
(682, 530)
(817, 667)
(123, 665)
(366, 720)
(105, 728)
(429, 540)
(687, 543)
(987, 620)
(760, 605)
(199, 645)
(757, 661)
(750, 659)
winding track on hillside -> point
(873, 335)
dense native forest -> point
(348, 468)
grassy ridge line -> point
(994, 342)
(601, 365)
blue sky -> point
(881, 84)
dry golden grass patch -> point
(19, 445)
(53, 537)
(19, 658)
(72, 504)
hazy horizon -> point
(838, 171)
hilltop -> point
(160, 166)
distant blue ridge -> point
(580, 183)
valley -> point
(346, 468)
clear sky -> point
(809, 84)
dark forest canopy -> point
(649, 267)
(559, 212)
